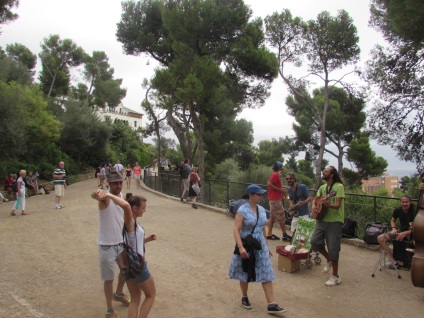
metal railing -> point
(362, 208)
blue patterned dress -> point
(263, 267)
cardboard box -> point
(287, 265)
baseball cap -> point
(254, 188)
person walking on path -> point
(20, 196)
(276, 193)
(143, 282)
(250, 262)
(137, 174)
(185, 170)
(328, 231)
(128, 175)
(59, 181)
(111, 222)
(194, 189)
(118, 167)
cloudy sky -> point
(92, 25)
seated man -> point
(406, 214)
(29, 183)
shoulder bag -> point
(249, 240)
(129, 261)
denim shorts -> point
(142, 276)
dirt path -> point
(189, 263)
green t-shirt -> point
(333, 215)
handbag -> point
(130, 263)
(249, 240)
(196, 188)
(372, 231)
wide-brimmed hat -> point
(254, 188)
(115, 177)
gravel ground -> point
(49, 267)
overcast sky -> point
(92, 25)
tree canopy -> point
(397, 116)
(213, 60)
(328, 43)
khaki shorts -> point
(186, 183)
(276, 211)
(59, 190)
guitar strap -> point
(327, 191)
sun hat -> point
(114, 177)
(254, 188)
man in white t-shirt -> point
(118, 167)
(111, 222)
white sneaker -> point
(327, 267)
(333, 281)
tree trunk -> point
(322, 135)
(198, 131)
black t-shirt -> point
(404, 218)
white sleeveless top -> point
(111, 222)
(139, 234)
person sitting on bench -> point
(406, 214)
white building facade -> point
(120, 113)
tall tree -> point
(57, 57)
(214, 63)
(103, 89)
(345, 122)
(397, 116)
(157, 125)
(329, 43)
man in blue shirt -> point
(299, 199)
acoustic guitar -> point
(321, 210)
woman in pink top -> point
(137, 174)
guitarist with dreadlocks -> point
(328, 229)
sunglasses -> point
(258, 194)
(289, 178)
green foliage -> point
(24, 120)
(102, 88)
(268, 152)
(84, 137)
(399, 18)
(11, 70)
(328, 43)
(397, 116)
(368, 164)
(214, 64)
(6, 14)
(20, 53)
(57, 57)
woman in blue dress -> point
(252, 216)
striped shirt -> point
(62, 176)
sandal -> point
(12, 213)
(24, 213)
